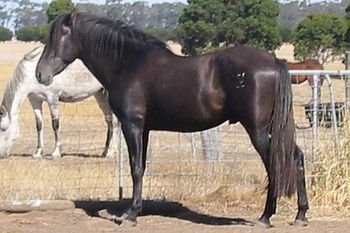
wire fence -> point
(218, 163)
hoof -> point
(37, 154)
(263, 224)
(108, 154)
(125, 221)
(104, 214)
(128, 223)
(301, 222)
(56, 155)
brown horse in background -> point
(308, 64)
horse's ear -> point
(70, 18)
(69, 21)
(73, 17)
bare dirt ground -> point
(157, 216)
(160, 217)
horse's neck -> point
(19, 88)
(103, 67)
(18, 102)
(100, 67)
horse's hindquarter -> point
(249, 77)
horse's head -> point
(8, 132)
(61, 49)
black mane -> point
(110, 37)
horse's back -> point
(310, 64)
(71, 85)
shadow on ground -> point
(160, 208)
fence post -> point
(347, 81)
(334, 114)
(193, 145)
(210, 144)
(315, 108)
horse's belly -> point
(188, 111)
(185, 121)
(75, 97)
(184, 126)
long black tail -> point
(283, 171)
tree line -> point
(209, 25)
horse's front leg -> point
(136, 138)
(110, 146)
(37, 107)
(112, 123)
(55, 117)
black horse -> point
(150, 88)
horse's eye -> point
(65, 30)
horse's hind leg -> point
(303, 204)
(112, 123)
(260, 140)
(37, 107)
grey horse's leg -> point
(37, 107)
(55, 118)
(112, 123)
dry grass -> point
(331, 183)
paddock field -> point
(188, 194)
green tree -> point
(319, 36)
(58, 7)
(207, 24)
(37, 33)
(5, 34)
(285, 32)
(197, 25)
(162, 34)
(347, 18)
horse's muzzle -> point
(42, 79)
